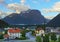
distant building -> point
(54, 25)
(14, 33)
(39, 32)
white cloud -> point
(49, 17)
(1, 1)
(2, 14)
(17, 7)
(54, 8)
(22, 1)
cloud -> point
(54, 8)
(2, 14)
(17, 7)
(2, 1)
(49, 17)
(22, 1)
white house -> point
(39, 32)
(13, 33)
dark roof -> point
(55, 22)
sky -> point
(48, 8)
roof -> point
(14, 30)
(6, 36)
(55, 22)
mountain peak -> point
(29, 17)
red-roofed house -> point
(13, 33)
(6, 36)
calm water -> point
(17, 41)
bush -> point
(33, 33)
(5, 31)
(23, 33)
(59, 39)
(38, 39)
(1, 36)
(46, 38)
(53, 37)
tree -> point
(53, 37)
(1, 36)
(23, 33)
(59, 39)
(38, 39)
(46, 38)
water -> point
(18, 41)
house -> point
(54, 25)
(14, 33)
(6, 36)
(39, 32)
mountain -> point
(30, 17)
(3, 24)
(55, 22)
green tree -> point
(46, 38)
(53, 37)
(6, 31)
(23, 33)
(59, 39)
(1, 36)
(33, 32)
(38, 39)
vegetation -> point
(3, 24)
(38, 39)
(53, 37)
(46, 38)
(59, 39)
(5, 32)
(33, 33)
(1, 36)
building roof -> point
(6, 36)
(14, 30)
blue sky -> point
(35, 4)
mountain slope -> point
(55, 22)
(29, 17)
(3, 24)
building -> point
(39, 32)
(54, 25)
(14, 33)
(6, 36)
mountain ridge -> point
(30, 17)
